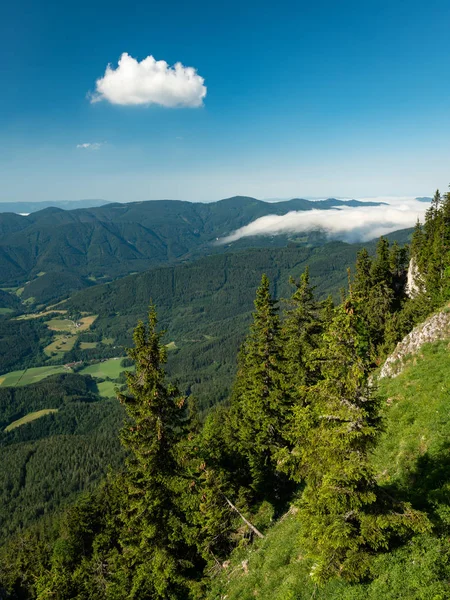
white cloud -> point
(150, 82)
(90, 145)
(347, 223)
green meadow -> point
(110, 369)
(30, 417)
(33, 375)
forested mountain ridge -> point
(303, 426)
(228, 477)
(30, 207)
(205, 306)
(117, 239)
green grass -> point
(413, 460)
(38, 315)
(61, 325)
(88, 345)
(26, 376)
(106, 389)
(6, 311)
(82, 324)
(108, 341)
(417, 411)
(30, 417)
(110, 368)
(60, 345)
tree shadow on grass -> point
(427, 485)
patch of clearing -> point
(88, 345)
(82, 324)
(108, 341)
(26, 376)
(57, 304)
(30, 417)
(110, 368)
(26, 317)
(61, 344)
(171, 346)
(106, 389)
(6, 311)
(61, 325)
(86, 322)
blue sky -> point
(336, 98)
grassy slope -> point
(30, 417)
(413, 457)
(111, 368)
(27, 376)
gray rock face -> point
(436, 327)
(413, 279)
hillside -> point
(412, 457)
(226, 475)
(116, 239)
(205, 307)
(31, 207)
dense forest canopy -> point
(116, 239)
(296, 438)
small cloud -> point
(90, 145)
(150, 82)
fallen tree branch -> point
(252, 527)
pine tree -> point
(417, 242)
(362, 283)
(301, 331)
(157, 543)
(380, 270)
(259, 400)
(344, 516)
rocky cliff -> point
(436, 327)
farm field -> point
(88, 345)
(106, 389)
(26, 317)
(60, 345)
(61, 325)
(26, 376)
(30, 417)
(82, 324)
(110, 368)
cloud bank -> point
(349, 224)
(90, 146)
(150, 82)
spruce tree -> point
(362, 283)
(345, 517)
(380, 270)
(259, 400)
(301, 331)
(157, 544)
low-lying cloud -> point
(345, 223)
(150, 82)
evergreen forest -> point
(296, 474)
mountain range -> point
(115, 239)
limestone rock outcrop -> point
(436, 327)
